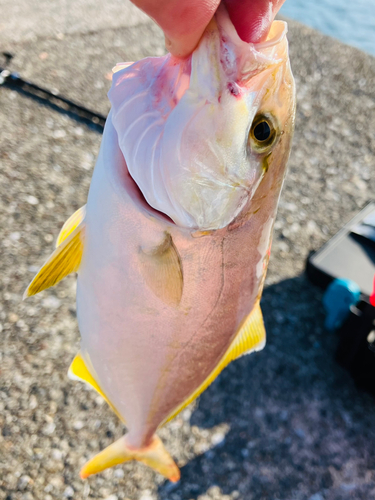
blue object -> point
(337, 300)
(350, 22)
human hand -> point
(253, 18)
(183, 21)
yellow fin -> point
(70, 225)
(79, 371)
(251, 337)
(154, 455)
(162, 271)
(64, 260)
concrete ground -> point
(285, 424)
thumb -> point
(253, 18)
(183, 21)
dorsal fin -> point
(65, 259)
(78, 371)
(251, 337)
(74, 221)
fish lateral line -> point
(251, 337)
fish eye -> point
(263, 133)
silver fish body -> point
(172, 249)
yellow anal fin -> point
(251, 337)
(64, 260)
(79, 371)
(162, 271)
(154, 455)
(71, 224)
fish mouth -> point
(136, 195)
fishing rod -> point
(14, 81)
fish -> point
(172, 248)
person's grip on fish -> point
(172, 248)
(184, 22)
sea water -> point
(351, 21)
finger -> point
(183, 22)
(253, 18)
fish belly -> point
(149, 355)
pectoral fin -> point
(65, 259)
(162, 271)
(250, 337)
(78, 371)
(71, 224)
(154, 455)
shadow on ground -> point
(296, 421)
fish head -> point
(206, 130)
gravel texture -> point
(24, 20)
(285, 424)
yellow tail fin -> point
(154, 455)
